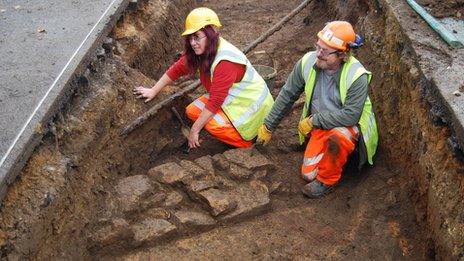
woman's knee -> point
(192, 112)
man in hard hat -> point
(337, 114)
(238, 98)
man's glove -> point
(264, 135)
(305, 126)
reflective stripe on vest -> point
(352, 70)
(370, 127)
(249, 101)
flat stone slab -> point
(157, 213)
(169, 173)
(206, 162)
(251, 198)
(239, 173)
(151, 229)
(173, 199)
(194, 218)
(118, 230)
(193, 168)
(218, 201)
(248, 158)
(221, 162)
(200, 185)
(131, 190)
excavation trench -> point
(89, 192)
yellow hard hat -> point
(199, 18)
(338, 35)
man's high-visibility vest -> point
(248, 101)
(351, 71)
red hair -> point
(204, 61)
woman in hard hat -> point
(238, 98)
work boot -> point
(316, 189)
(310, 177)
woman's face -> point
(198, 42)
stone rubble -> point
(169, 173)
(180, 198)
(218, 201)
(131, 190)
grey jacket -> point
(347, 115)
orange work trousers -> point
(326, 153)
(219, 126)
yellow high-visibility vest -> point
(351, 71)
(248, 101)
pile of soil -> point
(447, 8)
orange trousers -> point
(326, 153)
(219, 126)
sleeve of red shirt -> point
(225, 75)
(178, 69)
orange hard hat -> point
(338, 35)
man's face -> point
(327, 57)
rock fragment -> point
(218, 201)
(194, 218)
(131, 190)
(252, 199)
(151, 229)
(174, 198)
(248, 158)
(206, 162)
(239, 173)
(169, 173)
(192, 168)
(118, 230)
(200, 185)
(221, 162)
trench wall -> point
(413, 138)
(62, 189)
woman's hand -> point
(194, 134)
(149, 93)
(194, 139)
(145, 93)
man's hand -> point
(264, 135)
(145, 93)
(305, 126)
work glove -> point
(264, 135)
(305, 126)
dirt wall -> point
(61, 191)
(444, 8)
(411, 134)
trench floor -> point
(367, 217)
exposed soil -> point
(444, 8)
(89, 193)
